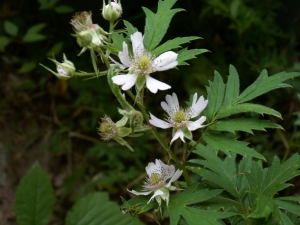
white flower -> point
(143, 63)
(158, 173)
(179, 118)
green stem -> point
(77, 74)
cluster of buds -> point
(89, 35)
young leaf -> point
(185, 54)
(95, 209)
(32, 33)
(130, 28)
(243, 124)
(230, 144)
(11, 28)
(215, 96)
(264, 206)
(157, 24)
(247, 107)
(118, 40)
(34, 199)
(172, 44)
(264, 84)
(178, 206)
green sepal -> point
(140, 83)
(122, 122)
(187, 133)
(123, 131)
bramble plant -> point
(229, 182)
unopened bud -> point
(112, 11)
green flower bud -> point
(112, 11)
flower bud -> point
(112, 11)
(65, 70)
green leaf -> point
(4, 41)
(172, 44)
(95, 209)
(130, 28)
(264, 84)
(232, 88)
(34, 199)
(289, 206)
(264, 206)
(138, 205)
(185, 54)
(157, 24)
(243, 124)
(27, 67)
(178, 206)
(247, 107)
(230, 144)
(62, 9)
(118, 40)
(32, 34)
(215, 96)
(11, 28)
(285, 220)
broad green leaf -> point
(172, 44)
(247, 107)
(157, 24)
(61, 9)
(138, 205)
(4, 41)
(230, 144)
(32, 34)
(34, 198)
(95, 209)
(11, 28)
(278, 174)
(130, 28)
(264, 84)
(285, 220)
(118, 40)
(215, 96)
(289, 206)
(178, 206)
(232, 88)
(264, 206)
(243, 124)
(185, 54)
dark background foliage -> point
(54, 121)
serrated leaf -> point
(289, 206)
(285, 220)
(232, 88)
(185, 54)
(215, 96)
(264, 206)
(172, 44)
(264, 84)
(118, 40)
(11, 28)
(34, 198)
(243, 124)
(242, 181)
(138, 205)
(95, 209)
(230, 144)
(247, 107)
(157, 24)
(178, 206)
(290, 198)
(130, 28)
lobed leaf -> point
(185, 54)
(130, 28)
(243, 124)
(172, 44)
(34, 198)
(95, 209)
(157, 24)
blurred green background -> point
(54, 121)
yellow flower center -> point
(144, 63)
(105, 127)
(154, 178)
(179, 117)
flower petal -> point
(196, 124)
(137, 44)
(198, 106)
(171, 105)
(140, 193)
(153, 85)
(174, 178)
(178, 134)
(126, 80)
(156, 193)
(153, 168)
(167, 171)
(124, 56)
(165, 61)
(158, 122)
